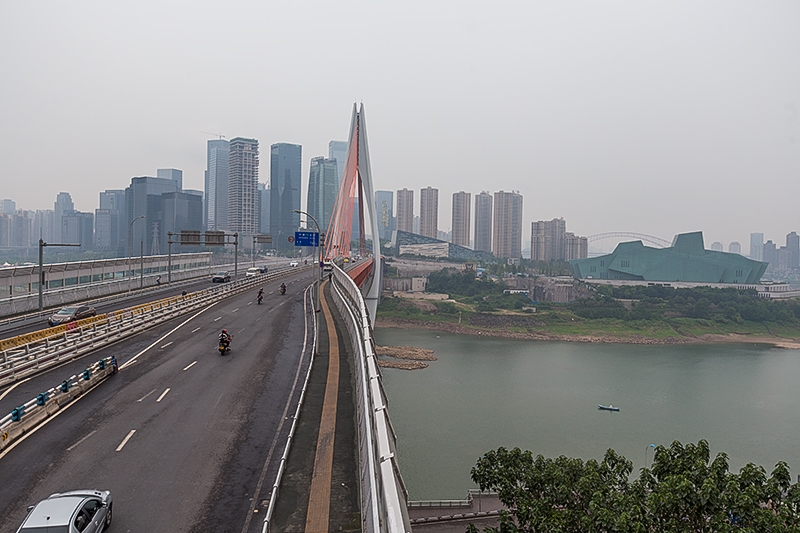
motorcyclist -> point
(225, 337)
(260, 295)
(283, 288)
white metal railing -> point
(383, 494)
(44, 351)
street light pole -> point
(316, 258)
(42, 244)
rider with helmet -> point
(225, 337)
(260, 295)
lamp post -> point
(645, 453)
(42, 245)
(316, 254)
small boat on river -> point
(608, 407)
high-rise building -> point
(793, 247)
(181, 211)
(171, 174)
(63, 205)
(383, 202)
(243, 186)
(483, 222)
(43, 226)
(323, 185)
(263, 209)
(337, 151)
(735, 248)
(284, 184)
(143, 199)
(8, 206)
(548, 240)
(770, 254)
(405, 210)
(461, 217)
(216, 185)
(757, 246)
(575, 247)
(507, 226)
(109, 222)
(429, 212)
(78, 228)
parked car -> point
(294, 264)
(78, 511)
(252, 272)
(221, 276)
(70, 314)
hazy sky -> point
(650, 117)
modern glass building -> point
(461, 218)
(483, 222)
(243, 186)
(323, 185)
(686, 260)
(384, 201)
(216, 185)
(285, 180)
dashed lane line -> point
(170, 342)
(190, 366)
(146, 395)
(163, 394)
(125, 440)
(80, 441)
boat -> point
(608, 407)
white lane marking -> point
(249, 303)
(218, 318)
(83, 439)
(146, 395)
(235, 310)
(196, 330)
(12, 387)
(190, 366)
(125, 440)
(162, 395)
(272, 292)
(133, 359)
(170, 342)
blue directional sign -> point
(306, 238)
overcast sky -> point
(648, 117)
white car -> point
(252, 272)
(294, 263)
(78, 511)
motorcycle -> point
(283, 290)
(224, 346)
(260, 298)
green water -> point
(542, 396)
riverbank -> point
(602, 338)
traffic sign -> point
(306, 238)
(291, 238)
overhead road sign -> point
(306, 238)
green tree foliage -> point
(683, 492)
(452, 281)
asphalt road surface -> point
(185, 439)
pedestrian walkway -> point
(319, 491)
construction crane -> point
(221, 136)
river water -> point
(483, 393)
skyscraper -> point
(793, 247)
(243, 186)
(735, 248)
(483, 222)
(171, 174)
(63, 205)
(264, 207)
(384, 201)
(284, 179)
(216, 185)
(429, 212)
(507, 234)
(405, 210)
(323, 184)
(143, 199)
(461, 218)
(337, 150)
(757, 246)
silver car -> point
(77, 511)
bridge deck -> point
(319, 491)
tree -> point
(681, 492)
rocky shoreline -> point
(413, 358)
(403, 323)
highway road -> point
(186, 439)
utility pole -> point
(42, 245)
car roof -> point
(54, 511)
(253, 268)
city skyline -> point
(658, 118)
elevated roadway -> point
(186, 439)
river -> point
(483, 393)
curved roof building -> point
(686, 260)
